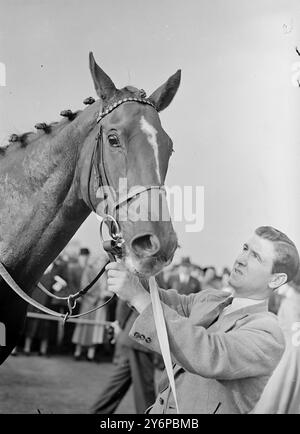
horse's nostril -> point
(145, 245)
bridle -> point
(101, 172)
(115, 246)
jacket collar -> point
(214, 305)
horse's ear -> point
(104, 86)
(166, 92)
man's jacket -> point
(126, 315)
(221, 362)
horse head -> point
(124, 174)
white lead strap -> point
(162, 334)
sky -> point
(234, 121)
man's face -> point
(252, 270)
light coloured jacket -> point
(221, 363)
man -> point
(209, 278)
(134, 365)
(182, 281)
(222, 356)
(84, 256)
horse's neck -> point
(40, 207)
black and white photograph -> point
(149, 210)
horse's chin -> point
(144, 267)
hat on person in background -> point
(185, 260)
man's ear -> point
(277, 280)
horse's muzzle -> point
(149, 254)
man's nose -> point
(242, 259)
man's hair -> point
(287, 256)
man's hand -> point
(127, 286)
(113, 331)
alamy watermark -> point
(179, 203)
(2, 74)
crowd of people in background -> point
(107, 337)
(72, 270)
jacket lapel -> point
(227, 322)
(207, 311)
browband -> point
(116, 104)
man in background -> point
(182, 280)
(133, 366)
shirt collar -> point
(240, 303)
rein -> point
(114, 247)
(114, 251)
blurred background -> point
(235, 128)
(234, 121)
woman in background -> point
(87, 336)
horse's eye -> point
(113, 140)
